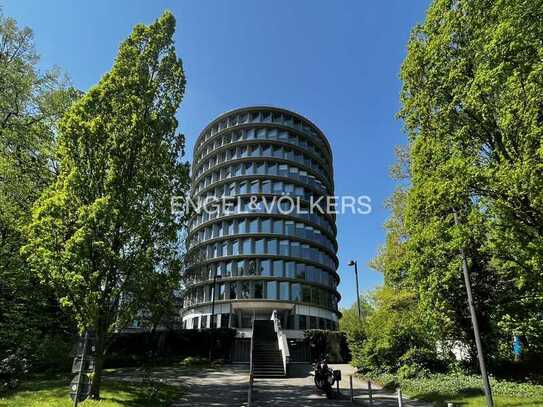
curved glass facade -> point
(263, 257)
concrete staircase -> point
(267, 358)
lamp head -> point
(352, 263)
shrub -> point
(195, 361)
(12, 370)
(134, 348)
(332, 344)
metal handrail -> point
(281, 340)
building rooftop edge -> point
(269, 107)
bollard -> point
(250, 395)
(351, 386)
(369, 393)
(400, 401)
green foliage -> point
(12, 369)
(329, 344)
(103, 235)
(462, 388)
(31, 103)
(355, 327)
(134, 348)
(472, 100)
(195, 361)
(395, 333)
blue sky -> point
(335, 62)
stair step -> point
(267, 358)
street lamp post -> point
(212, 321)
(471, 305)
(354, 263)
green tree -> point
(355, 327)
(394, 334)
(472, 105)
(105, 230)
(31, 103)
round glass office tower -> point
(264, 254)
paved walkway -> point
(228, 387)
(299, 390)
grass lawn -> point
(466, 390)
(55, 393)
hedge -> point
(134, 348)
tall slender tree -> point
(105, 230)
(472, 105)
(31, 104)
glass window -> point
(251, 267)
(245, 290)
(253, 226)
(289, 227)
(321, 323)
(266, 225)
(278, 187)
(302, 324)
(247, 249)
(283, 290)
(315, 298)
(254, 151)
(290, 269)
(221, 291)
(259, 246)
(283, 247)
(272, 246)
(278, 268)
(296, 292)
(306, 293)
(265, 268)
(232, 189)
(241, 226)
(259, 289)
(228, 269)
(266, 187)
(278, 227)
(271, 290)
(241, 268)
(225, 320)
(295, 249)
(232, 291)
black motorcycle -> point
(324, 376)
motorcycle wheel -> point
(319, 383)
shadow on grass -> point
(141, 395)
(129, 394)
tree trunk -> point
(99, 363)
